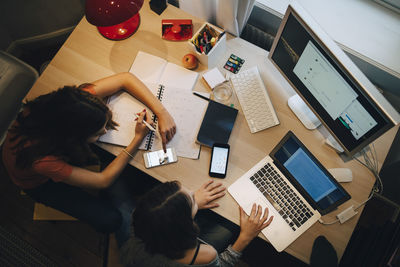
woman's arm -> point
(84, 178)
(129, 82)
(251, 226)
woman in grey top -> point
(165, 233)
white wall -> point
(361, 27)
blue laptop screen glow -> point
(309, 175)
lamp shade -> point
(115, 19)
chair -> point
(16, 78)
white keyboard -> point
(254, 99)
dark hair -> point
(59, 124)
(163, 221)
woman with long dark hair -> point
(48, 146)
(165, 232)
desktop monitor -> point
(329, 83)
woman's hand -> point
(167, 128)
(128, 81)
(207, 193)
(141, 129)
(251, 226)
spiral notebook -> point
(148, 142)
(172, 85)
(123, 107)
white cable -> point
(376, 170)
(375, 156)
(327, 223)
(371, 163)
(365, 201)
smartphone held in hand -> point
(158, 158)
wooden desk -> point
(87, 56)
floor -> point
(68, 243)
(76, 244)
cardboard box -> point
(211, 58)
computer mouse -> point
(342, 175)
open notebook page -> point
(124, 107)
(186, 109)
(148, 69)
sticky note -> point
(213, 77)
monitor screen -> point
(314, 67)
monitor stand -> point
(303, 112)
(333, 143)
(309, 120)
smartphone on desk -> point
(219, 160)
(158, 158)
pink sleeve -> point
(53, 167)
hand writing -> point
(141, 130)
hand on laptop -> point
(207, 193)
(251, 226)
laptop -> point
(294, 186)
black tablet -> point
(217, 124)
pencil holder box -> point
(208, 56)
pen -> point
(205, 37)
(199, 95)
(150, 127)
(147, 124)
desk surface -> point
(86, 56)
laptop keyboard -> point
(281, 196)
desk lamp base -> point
(121, 31)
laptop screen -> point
(308, 175)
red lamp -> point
(115, 19)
